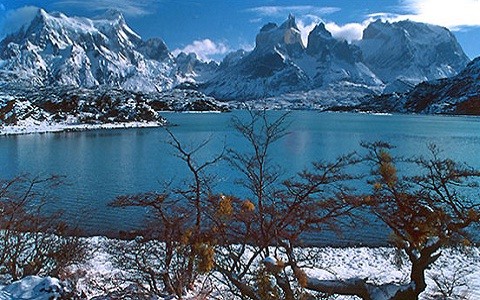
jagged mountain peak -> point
(325, 47)
(44, 20)
(58, 49)
(111, 23)
(112, 14)
(155, 48)
(415, 31)
(321, 30)
(411, 50)
(281, 64)
(290, 23)
(42, 14)
(268, 27)
(285, 38)
(55, 20)
(319, 40)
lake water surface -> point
(102, 164)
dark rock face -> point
(323, 46)
(155, 49)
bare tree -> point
(252, 243)
(425, 211)
(175, 245)
(260, 234)
(452, 286)
(34, 240)
(201, 231)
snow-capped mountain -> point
(459, 94)
(405, 53)
(192, 70)
(268, 70)
(281, 64)
(56, 49)
(456, 95)
(335, 60)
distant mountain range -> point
(55, 50)
(459, 94)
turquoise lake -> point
(102, 164)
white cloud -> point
(294, 9)
(448, 13)
(453, 14)
(310, 17)
(255, 20)
(204, 49)
(127, 7)
(305, 29)
(349, 32)
(17, 18)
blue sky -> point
(213, 28)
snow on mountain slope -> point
(191, 69)
(457, 95)
(268, 70)
(33, 288)
(280, 64)
(411, 51)
(336, 61)
(56, 49)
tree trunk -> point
(351, 287)
(361, 288)
(417, 280)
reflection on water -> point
(102, 164)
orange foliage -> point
(248, 206)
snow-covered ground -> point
(32, 288)
(377, 265)
(382, 265)
(44, 127)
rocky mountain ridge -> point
(411, 50)
(281, 64)
(55, 52)
(459, 94)
(56, 49)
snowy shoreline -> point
(375, 264)
(44, 127)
